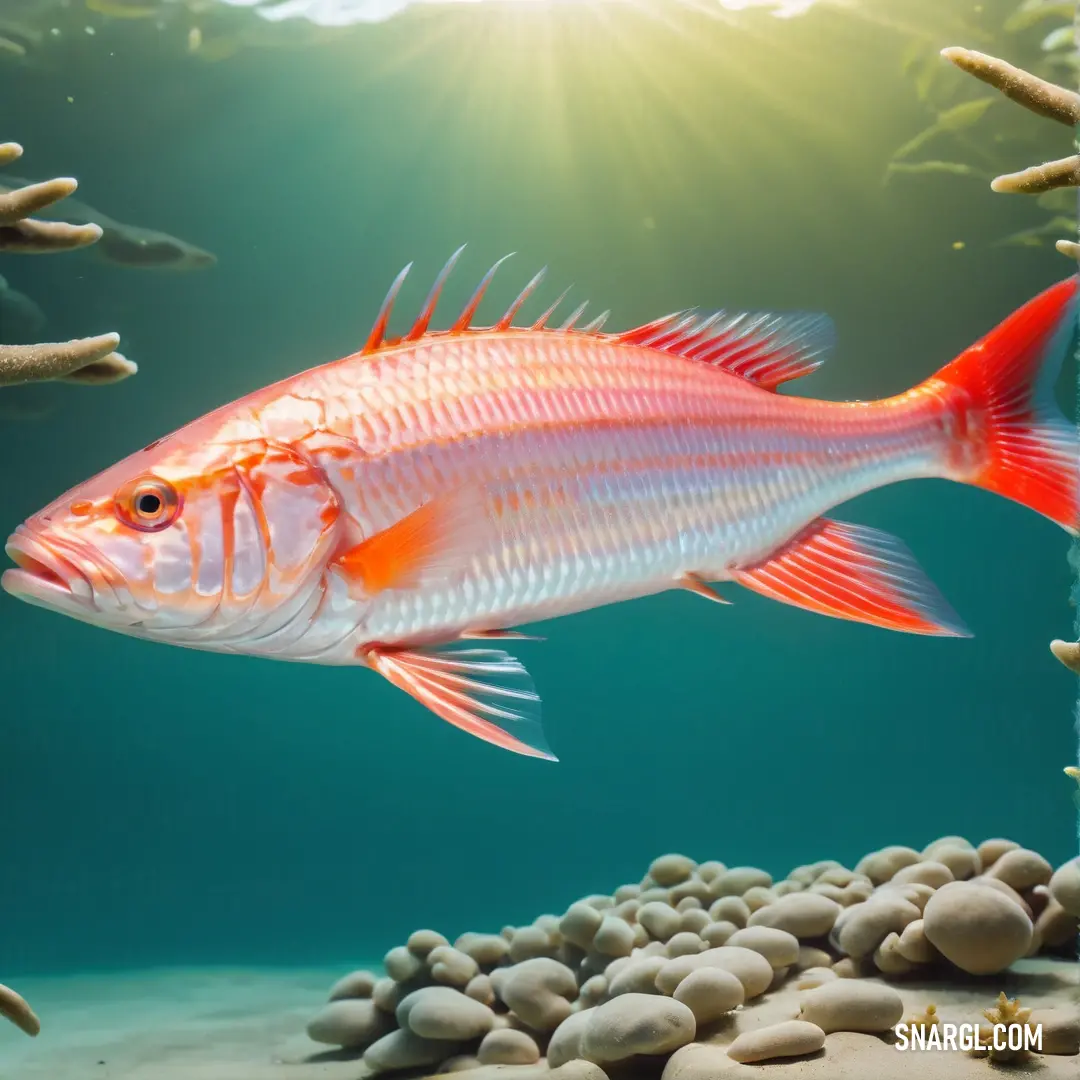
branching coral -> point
(1008, 1014)
(15, 1008)
(84, 360)
(926, 1021)
(1038, 96)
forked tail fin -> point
(1007, 433)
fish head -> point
(193, 540)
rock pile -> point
(674, 968)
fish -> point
(407, 508)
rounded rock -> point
(709, 993)
(580, 923)
(421, 942)
(879, 866)
(866, 925)
(710, 870)
(1065, 886)
(913, 945)
(578, 1069)
(636, 1024)
(804, 915)
(779, 947)
(565, 1042)
(539, 991)
(1060, 1030)
(934, 874)
(812, 957)
(1021, 869)
(661, 920)
(440, 1012)
(790, 1038)
(593, 991)
(989, 851)
(739, 879)
(888, 958)
(614, 937)
(401, 965)
(636, 977)
(508, 1047)
(357, 984)
(669, 870)
(749, 967)
(488, 950)
(693, 921)
(386, 995)
(480, 989)
(978, 929)
(402, 1049)
(684, 944)
(348, 1022)
(698, 1061)
(691, 889)
(452, 966)
(731, 909)
(529, 942)
(852, 1005)
(717, 933)
(815, 976)
(758, 897)
(962, 862)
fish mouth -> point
(45, 578)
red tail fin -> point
(1008, 435)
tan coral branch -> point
(20, 233)
(1037, 95)
(86, 360)
(1034, 180)
(91, 361)
(16, 1009)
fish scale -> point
(450, 485)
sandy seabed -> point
(248, 1024)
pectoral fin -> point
(486, 692)
(428, 545)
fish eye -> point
(147, 504)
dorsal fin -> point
(764, 349)
(767, 350)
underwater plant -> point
(982, 158)
(82, 360)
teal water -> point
(170, 807)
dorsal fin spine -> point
(423, 320)
(465, 319)
(378, 331)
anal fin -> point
(857, 573)
(486, 692)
